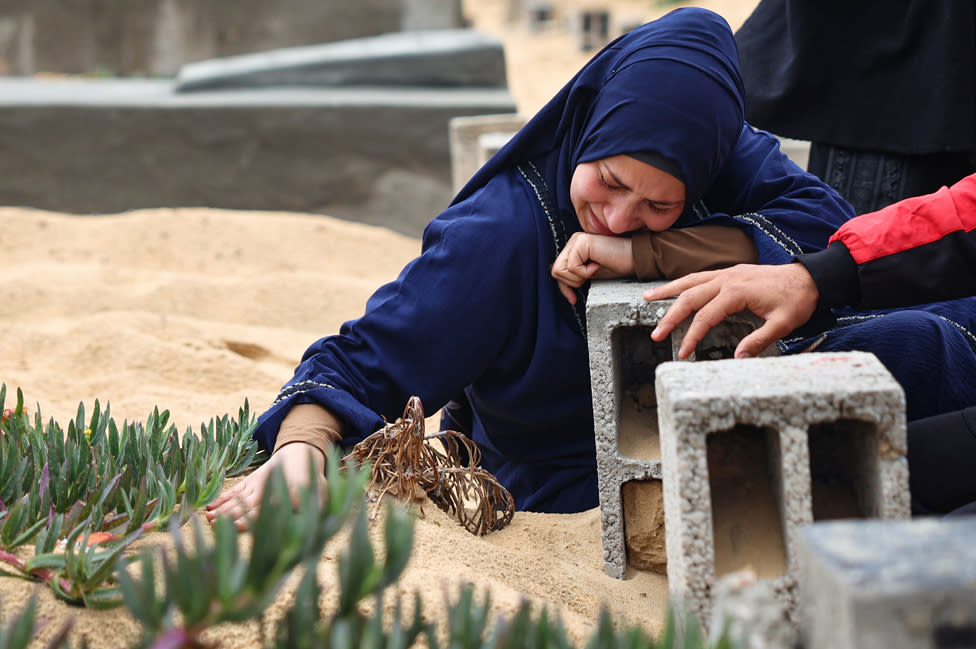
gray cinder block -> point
(490, 143)
(623, 359)
(754, 448)
(465, 141)
(888, 584)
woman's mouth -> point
(598, 225)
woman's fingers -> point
(567, 291)
(239, 502)
(242, 502)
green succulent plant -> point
(82, 495)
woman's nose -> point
(620, 216)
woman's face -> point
(620, 194)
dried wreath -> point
(406, 465)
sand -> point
(195, 310)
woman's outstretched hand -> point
(242, 501)
(591, 256)
(784, 296)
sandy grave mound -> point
(196, 310)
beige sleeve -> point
(675, 253)
(312, 424)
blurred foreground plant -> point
(469, 628)
(213, 584)
(81, 496)
(18, 633)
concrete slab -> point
(490, 143)
(430, 58)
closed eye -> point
(661, 208)
(603, 180)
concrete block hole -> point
(643, 502)
(636, 357)
(746, 490)
(844, 470)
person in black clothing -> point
(885, 91)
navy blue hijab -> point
(670, 88)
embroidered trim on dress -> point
(538, 184)
(300, 388)
(558, 232)
(771, 231)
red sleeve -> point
(911, 223)
(919, 250)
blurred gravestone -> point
(436, 58)
(156, 37)
(363, 149)
(466, 142)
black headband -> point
(659, 161)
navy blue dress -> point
(479, 312)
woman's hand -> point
(591, 256)
(242, 501)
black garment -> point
(917, 251)
(894, 76)
(942, 463)
(872, 180)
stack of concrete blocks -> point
(623, 359)
(888, 584)
(752, 449)
(474, 139)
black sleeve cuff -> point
(835, 273)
